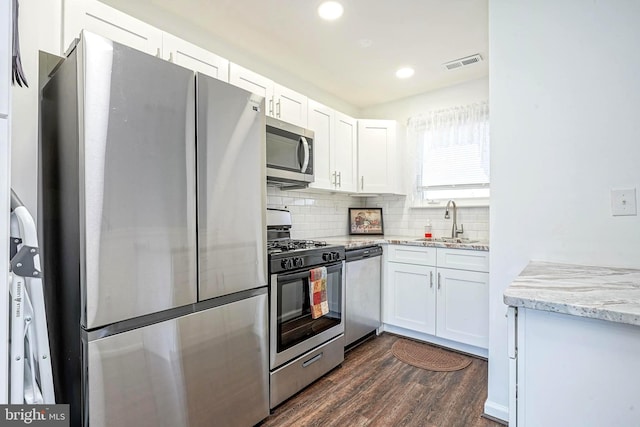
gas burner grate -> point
(292, 245)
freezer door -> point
(231, 188)
(203, 369)
(137, 183)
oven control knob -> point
(326, 256)
(287, 263)
(335, 256)
(298, 262)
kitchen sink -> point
(448, 240)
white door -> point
(321, 122)
(463, 306)
(410, 298)
(375, 154)
(290, 106)
(194, 57)
(253, 82)
(345, 152)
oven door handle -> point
(331, 268)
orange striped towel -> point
(318, 292)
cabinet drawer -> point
(463, 259)
(412, 254)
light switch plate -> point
(623, 202)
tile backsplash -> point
(317, 214)
(314, 214)
(402, 220)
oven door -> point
(293, 331)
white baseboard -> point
(477, 351)
(497, 411)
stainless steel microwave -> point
(289, 154)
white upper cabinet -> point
(115, 25)
(345, 152)
(253, 82)
(321, 121)
(289, 106)
(194, 57)
(378, 145)
(281, 102)
(110, 23)
(334, 148)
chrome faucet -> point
(454, 229)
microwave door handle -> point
(305, 145)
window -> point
(452, 148)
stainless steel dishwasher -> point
(362, 293)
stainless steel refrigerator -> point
(152, 206)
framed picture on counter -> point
(366, 221)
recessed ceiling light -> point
(404, 72)
(330, 10)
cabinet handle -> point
(158, 53)
(278, 109)
(170, 56)
(431, 279)
(439, 281)
(334, 182)
(271, 107)
(340, 179)
(362, 182)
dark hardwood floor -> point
(373, 388)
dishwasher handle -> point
(363, 253)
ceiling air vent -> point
(463, 62)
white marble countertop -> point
(605, 293)
(353, 242)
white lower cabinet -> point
(463, 306)
(449, 306)
(410, 298)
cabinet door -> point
(194, 57)
(253, 82)
(410, 298)
(376, 155)
(321, 122)
(108, 22)
(463, 306)
(290, 106)
(344, 152)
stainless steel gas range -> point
(302, 348)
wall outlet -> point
(623, 202)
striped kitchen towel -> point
(318, 292)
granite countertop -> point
(354, 242)
(605, 293)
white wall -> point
(565, 97)
(452, 96)
(5, 148)
(39, 24)
(399, 218)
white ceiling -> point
(289, 35)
